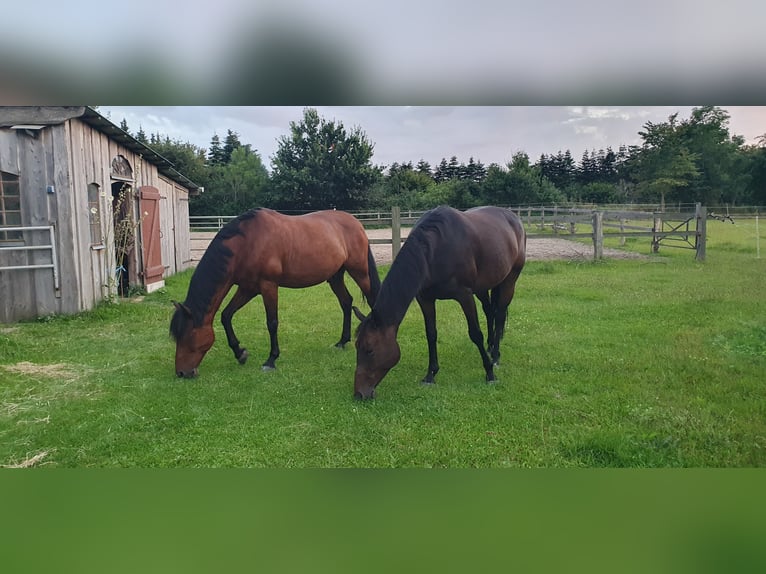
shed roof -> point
(51, 115)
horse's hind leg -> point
(502, 295)
(240, 299)
(468, 304)
(270, 293)
(486, 306)
(345, 299)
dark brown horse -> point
(260, 251)
(449, 254)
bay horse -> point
(260, 251)
(449, 254)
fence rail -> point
(50, 246)
(683, 226)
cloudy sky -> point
(409, 133)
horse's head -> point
(377, 351)
(192, 342)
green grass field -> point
(652, 363)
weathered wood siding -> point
(70, 156)
(174, 219)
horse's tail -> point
(372, 273)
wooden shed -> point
(87, 212)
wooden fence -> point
(684, 229)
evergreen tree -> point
(453, 168)
(423, 167)
(141, 136)
(441, 173)
(215, 154)
(476, 171)
(229, 145)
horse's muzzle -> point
(360, 397)
(187, 374)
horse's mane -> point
(211, 271)
(410, 268)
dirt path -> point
(538, 248)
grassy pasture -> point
(652, 363)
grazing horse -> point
(260, 251)
(449, 254)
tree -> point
(755, 157)
(141, 136)
(187, 158)
(475, 171)
(215, 154)
(721, 167)
(423, 167)
(441, 173)
(245, 180)
(665, 165)
(453, 168)
(320, 165)
(229, 145)
(559, 169)
(519, 184)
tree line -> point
(320, 164)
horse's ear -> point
(182, 307)
(359, 315)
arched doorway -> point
(123, 221)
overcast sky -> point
(401, 134)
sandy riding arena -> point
(538, 248)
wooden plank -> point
(66, 142)
(9, 155)
(181, 230)
(85, 169)
(37, 298)
(45, 115)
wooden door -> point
(151, 235)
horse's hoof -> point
(340, 345)
(427, 382)
(242, 357)
(267, 368)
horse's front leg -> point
(428, 307)
(270, 293)
(338, 287)
(240, 299)
(468, 304)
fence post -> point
(598, 235)
(701, 216)
(396, 232)
(656, 228)
(622, 231)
